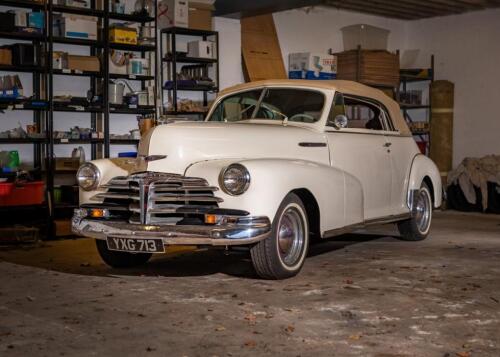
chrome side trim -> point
(312, 144)
(353, 227)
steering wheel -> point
(301, 115)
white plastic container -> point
(367, 36)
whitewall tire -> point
(418, 226)
(282, 254)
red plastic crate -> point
(31, 193)
(5, 188)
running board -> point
(353, 227)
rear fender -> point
(421, 168)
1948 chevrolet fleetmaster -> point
(274, 164)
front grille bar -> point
(152, 197)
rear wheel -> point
(282, 254)
(417, 227)
(120, 259)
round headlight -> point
(234, 179)
(88, 176)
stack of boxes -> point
(75, 26)
(187, 14)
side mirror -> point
(339, 122)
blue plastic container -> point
(127, 154)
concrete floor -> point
(363, 294)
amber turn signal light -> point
(210, 219)
(97, 213)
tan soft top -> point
(346, 87)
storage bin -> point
(6, 188)
(30, 193)
(121, 34)
(366, 36)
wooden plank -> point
(261, 50)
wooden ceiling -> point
(399, 9)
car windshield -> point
(283, 104)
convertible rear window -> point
(298, 105)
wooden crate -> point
(371, 67)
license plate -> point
(135, 245)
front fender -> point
(109, 168)
(423, 167)
(273, 179)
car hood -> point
(185, 143)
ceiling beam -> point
(245, 8)
(409, 9)
(365, 8)
(427, 5)
(401, 9)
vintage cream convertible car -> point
(274, 164)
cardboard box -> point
(6, 56)
(78, 3)
(201, 49)
(75, 26)
(173, 13)
(200, 16)
(36, 20)
(122, 34)
(21, 19)
(307, 65)
(66, 163)
(59, 60)
(83, 63)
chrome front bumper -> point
(244, 230)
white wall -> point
(467, 52)
(318, 29)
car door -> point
(359, 148)
(402, 150)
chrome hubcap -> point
(423, 211)
(291, 236)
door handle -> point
(387, 145)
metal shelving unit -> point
(96, 78)
(416, 75)
(43, 108)
(110, 109)
(38, 105)
(172, 58)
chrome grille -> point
(159, 198)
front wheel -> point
(282, 254)
(417, 227)
(120, 259)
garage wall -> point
(318, 29)
(467, 52)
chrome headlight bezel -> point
(94, 175)
(243, 174)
